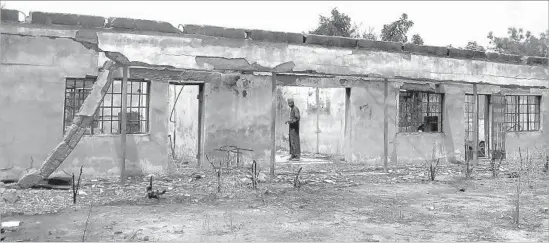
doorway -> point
(322, 122)
(491, 125)
(483, 128)
(184, 122)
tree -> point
(519, 42)
(417, 40)
(472, 45)
(397, 30)
(338, 24)
(370, 34)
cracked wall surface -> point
(37, 59)
(33, 74)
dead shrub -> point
(495, 162)
(432, 164)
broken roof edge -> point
(114, 23)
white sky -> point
(440, 23)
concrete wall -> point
(36, 60)
(32, 92)
(238, 112)
(184, 123)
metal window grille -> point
(107, 119)
(522, 113)
(419, 110)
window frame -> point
(515, 116)
(98, 120)
(440, 112)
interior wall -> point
(238, 112)
(327, 116)
(183, 123)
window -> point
(522, 113)
(420, 111)
(107, 119)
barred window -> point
(522, 113)
(420, 111)
(107, 118)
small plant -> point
(495, 162)
(218, 172)
(433, 170)
(468, 169)
(87, 223)
(297, 183)
(522, 176)
(255, 174)
(76, 187)
(546, 166)
(432, 165)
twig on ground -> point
(255, 174)
(87, 223)
(297, 183)
(76, 188)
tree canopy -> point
(338, 24)
(520, 42)
(397, 31)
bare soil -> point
(339, 202)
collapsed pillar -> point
(75, 132)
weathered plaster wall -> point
(36, 59)
(238, 112)
(33, 75)
(536, 141)
(203, 52)
(448, 145)
(367, 104)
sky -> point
(440, 23)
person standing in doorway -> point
(293, 123)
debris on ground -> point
(262, 177)
(10, 224)
(10, 196)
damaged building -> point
(193, 89)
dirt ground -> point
(339, 202)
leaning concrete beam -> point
(75, 132)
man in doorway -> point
(293, 124)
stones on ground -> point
(329, 181)
(246, 181)
(10, 196)
(262, 177)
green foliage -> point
(416, 39)
(397, 30)
(338, 24)
(519, 42)
(370, 34)
(474, 46)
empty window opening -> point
(522, 113)
(420, 111)
(107, 118)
